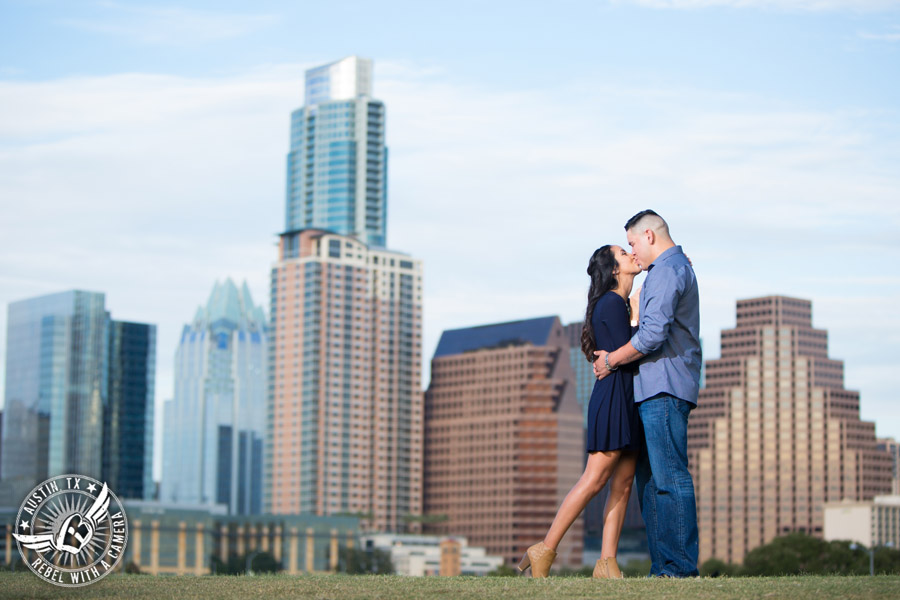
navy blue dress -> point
(613, 421)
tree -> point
(260, 562)
(264, 562)
(133, 569)
(793, 554)
(503, 570)
(798, 553)
(715, 567)
(356, 562)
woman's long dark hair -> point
(601, 269)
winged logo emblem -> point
(75, 532)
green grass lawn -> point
(343, 587)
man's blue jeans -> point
(665, 488)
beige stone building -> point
(776, 435)
(503, 436)
(345, 415)
(871, 524)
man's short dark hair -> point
(636, 218)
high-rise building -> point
(345, 414)
(337, 164)
(128, 418)
(79, 393)
(503, 437)
(892, 447)
(775, 435)
(346, 405)
(215, 424)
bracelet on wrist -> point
(606, 361)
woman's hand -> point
(600, 370)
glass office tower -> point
(128, 418)
(213, 451)
(337, 164)
(55, 386)
(79, 393)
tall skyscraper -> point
(503, 436)
(79, 393)
(128, 418)
(215, 424)
(337, 164)
(346, 408)
(775, 435)
(345, 415)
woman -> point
(613, 434)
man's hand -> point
(600, 369)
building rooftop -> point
(514, 333)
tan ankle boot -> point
(607, 568)
(539, 557)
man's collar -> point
(676, 249)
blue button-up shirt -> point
(669, 330)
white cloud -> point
(169, 25)
(783, 5)
(150, 188)
(893, 36)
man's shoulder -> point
(676, 261)
(674, 267)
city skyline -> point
(147, 134)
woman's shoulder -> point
(611, 298)
(610, 301)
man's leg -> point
(646, 491)
(665, 431)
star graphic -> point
(24, 525)
(91, 488)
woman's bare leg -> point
(597, 471)
(617, 503)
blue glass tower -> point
(337, 164)
(128, 418)
(79, 393)
(214, 426)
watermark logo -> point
(71, 530)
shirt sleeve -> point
(659, 298)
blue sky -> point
(142, 153)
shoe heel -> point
(524, 563)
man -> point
(667, 343)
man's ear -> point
(651, 236)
